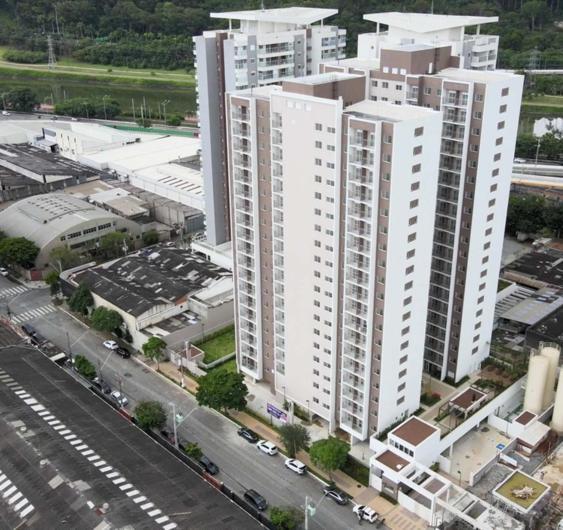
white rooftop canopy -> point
(425, 22)
(285, 15)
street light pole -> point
(306, 512)
(174, 424)
(538, 150)
(104, 102)
(68, 342)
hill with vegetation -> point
(157, 33)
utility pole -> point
(174, 424)
(133, 107)
(104, 102)
(164, 103)
(306, 512)
(51, 50)
(57, 19)
(68, 343)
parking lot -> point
(111, 471)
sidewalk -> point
(343, 481)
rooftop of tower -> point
(426, 22)
(283, 15)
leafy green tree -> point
(526, 145)
(84, 367)
(81, 300)
(329, 454)
(553, 218)
(174, 120)
(286, 518)
(62, 258)
(222, 390)
(21, 100)
(150, 237)
(18, 251)
(113, 244)
(25, 57)
(154, 350)
(294, 437)
(150, 415)
(104, 319)
(144, 122)
(525, 214)
(194, 450)
(52, 280)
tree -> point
(21, 100)
(150, 415)
(150, 237)
(192, 449)
(144, 122)
(18, 251)
(525, 214)
(113, 244)
(286, 518)
(553, 218)
(104, 319)
(329, 454)
(52, 280)
(174, 120)
(84, 367)
(294, 437)
(81, 300)
(222, 390)
(154, 350)
(62, 258)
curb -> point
(73, 317)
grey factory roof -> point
(40, 162)
(546, 266)
(536, 307)
(141, 281)
(42, 218)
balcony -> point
(242, 145)
(362, 139)
(240, 115)
(455, 116)
(241, 130)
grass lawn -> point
(502, 284)
(518, 481)
(230, 366)
(218, 345)
(552, 101)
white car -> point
(295, 465)
(119, 398)
(267, 447)
(367, 513)
(5, 113)
(111, 344)
(3, 271)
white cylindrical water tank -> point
(557, 421)
(535, 385)
(551, 352)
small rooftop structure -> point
(388, 111)
(521, 492)
(425, 22)
(392, 460)
(283, 15)
(531, 438)
(525, 418)
(468, 400)
(414, 431)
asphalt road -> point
(242, 465)
(79, 462)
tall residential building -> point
(419, 61)
(268, 47)
(332, 200)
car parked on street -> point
(249, 435)
(208, 465)
(110, 344)
(100, 384)
(338, 496)
(366, 513)
(122, 352)
(119, 398)
(267, 447)
(4, 271)
(255, 499)
(295, 465)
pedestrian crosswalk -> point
(33, 313)
(13, 498)
(13, 291)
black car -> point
(338, 496)
(208, 465)
(248, 435)
(122, 352)
(255, 499)
(28, 329)
(100, 384)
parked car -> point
(295, 465)
(122, 352)
(101, 385)
(208, 465)
(255, 499)
(5, 113)
(4, 271)
(28, 329)
(366, 513)
(338, 496)
(119, 398)
(267, 447)
(110, 344)
(248, 435)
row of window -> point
(86, 231)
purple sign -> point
(276, 413)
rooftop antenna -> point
(51, 50)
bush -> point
(430, 399)
(193, 450)
(150, 237)
(150, 415)
(25, 57)
(84, 367)
(174, 120)
(356, 470)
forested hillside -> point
(156, 33)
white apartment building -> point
(332, 197)
(480, 110)
(269, 46)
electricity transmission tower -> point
(51, 50)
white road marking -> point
(29, 509)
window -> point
(410, 253)
(400, 400)
(492, 202)
(387, 157)
(414, 203)
(318, 179)
(416, 168)
(407, 300)
(412, 237)
(417, 150)
(412, 220)
(318, 162)
(415, 186)
(487, 245)
(474, 148)
(409, 270)
(398, 87)
(494, 188)
(318, 195)
(504, 92)
(419, 131)
(498, 141)
(500, 125)
(406, 316)
(388, 139)
(427, 91)
(402, 373)
(478, 97)
(475, 131)
(477, 115)
(374, 83)
(318, 127)
(496, 158)
(318, 144)
(502, 109)
(384, 84)
(330, 147)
